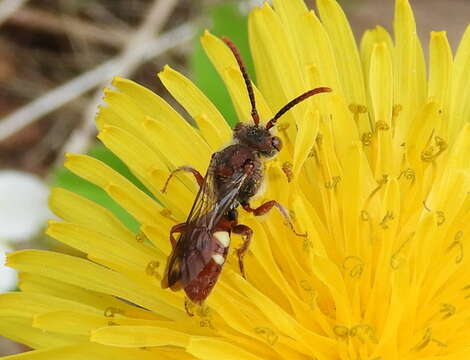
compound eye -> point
(276, 143)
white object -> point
(8, 277)
(219, 259)
(23, 205)
(223, 237)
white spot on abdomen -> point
(219, 259)
(223, 237)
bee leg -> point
(247, 234)
(197, 175)
(266, 207)
(188, 306)
(178, 228)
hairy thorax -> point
(235, 160)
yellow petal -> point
(421, 130)
(329, 274)
(312, 224)
(290, 12)
(155, 107)
(74, 208)
(381, 83)
(460, 158)
(345, 128)
(352, 201)
(107, 304)
(124, 111)
(74, 322)
(227, 67)
(132, 151)
(369, 39)
(140, 205)
(27, 305)
(408, 72)
(144, 163)
(99, 244)
(159, 234)
(215, 349)
(460, 109)
(423, 248)
(70, 322)
(128, 114)
(302, 26)
(278, 73)
(440, 76)
(306, 134)
(20, 330)
(165, 135)
(345, 49)
(155, 138)
(138, 336)
(88, 275)
(381, 92)
(400, 288)
(89, 351)
(421, 89)
(263, 251)
(320, 54)
(212, 132)
(197, 105)
(283, 322)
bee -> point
(233, 177)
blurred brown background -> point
(52, 54)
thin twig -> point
(58, 23)
(61, 95)
(156, 17)
(129, 60)
(8, 7)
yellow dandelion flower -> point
(379, 172)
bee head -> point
(254, 136)
(257, 138)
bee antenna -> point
(294, 102)
(251, 94)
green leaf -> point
(227, 21)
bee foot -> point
(240, 263)
(188, 305)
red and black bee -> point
(234, 175)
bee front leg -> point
(178, 228)
(247, 234)
(197, 175)
(266, 207)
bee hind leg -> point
(197, 175)
(247, 234)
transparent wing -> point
(206, 199)
(213, 200)
(194, 247)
